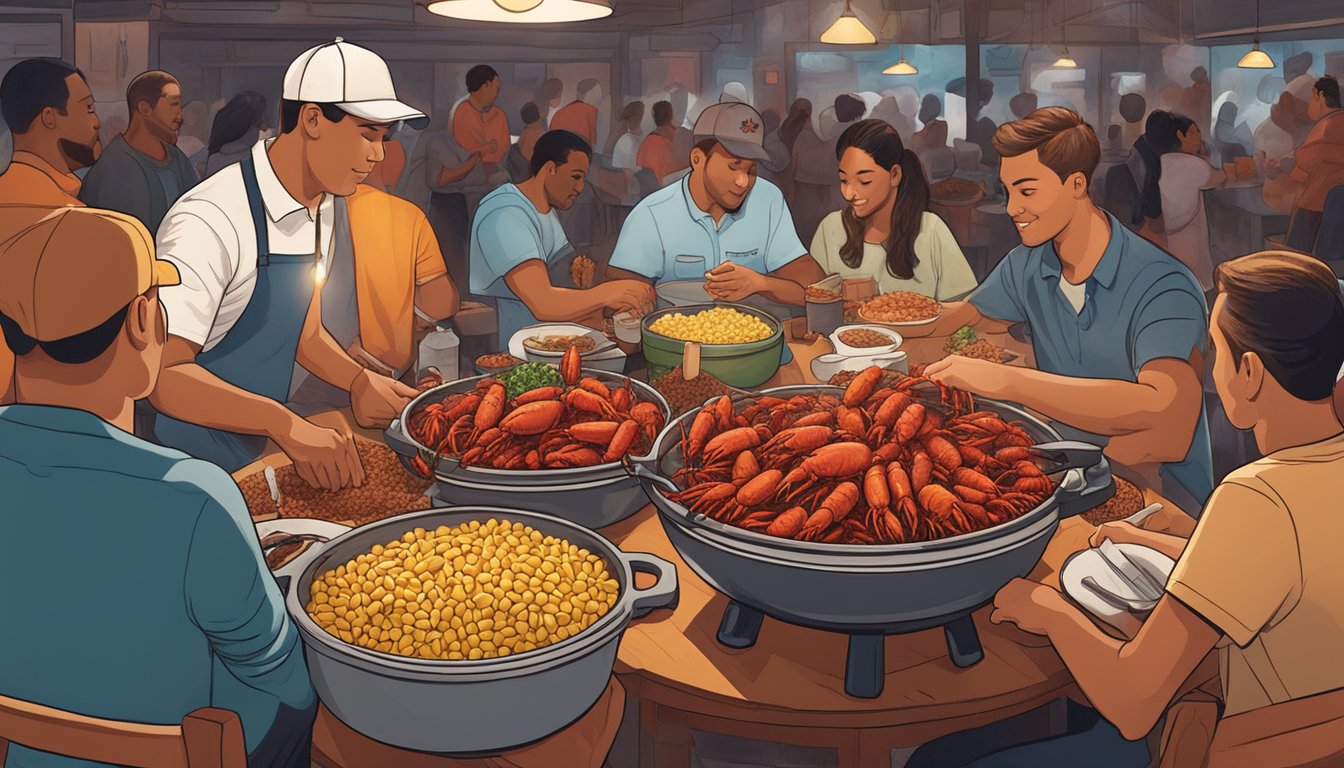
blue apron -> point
(258, 353)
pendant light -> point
(1256, 58)
(522, 11)
(901, 67)
(848, 30)
(1065, 61)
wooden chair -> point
(207, 738)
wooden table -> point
(789, 687)
(920, 351)
(1239, 221)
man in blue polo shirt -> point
(134, 587)
(719, 223)
(1118, 326)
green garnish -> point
(963, 337)
(529, 376)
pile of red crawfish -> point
(582, 424)
(874, 466)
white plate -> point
(300, 525)
(1090, 563)
(908, 323)
(682, 293)
(517, 349)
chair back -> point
(207, 737)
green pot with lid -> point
(739, 365)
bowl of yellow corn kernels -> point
(466, 630)
(739, 345)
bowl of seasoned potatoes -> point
(467, 630)
(740, 345)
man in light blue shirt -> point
(720, 223)
(1118, 327)
(516, 239)
(135, 588)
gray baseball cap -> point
(738, 127)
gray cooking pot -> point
(874, 588)
(593, 497)
(468, 707)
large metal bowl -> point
(468, 707)
(593, 497)
(874, 588)
(739, 365)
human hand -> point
(1028, 605)
(376, 400)
(732, 282)
(628, 295)
(1119, 532)
(970, 374)
(323, 458)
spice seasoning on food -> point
(866, 337)
(1127, 500)
(480, 590)
(687, 394)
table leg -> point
(963, 642)
(665, 738)
(740, 625)
(866, 666)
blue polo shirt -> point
(1142, 305)
(509, 231)
(759, 235)
(134, 586)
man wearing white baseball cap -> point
(719, 223)
(253, 244)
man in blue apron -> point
(250, 242)
(516, 238)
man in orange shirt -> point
(1318, 164)
(479, 125)
(580, 116)
(48, 107)
(656, 152)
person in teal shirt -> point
(516, 239)
(720, 223)
(1119, 328)
(135, 587)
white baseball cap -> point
(351, 77)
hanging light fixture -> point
(522, 11)
(1256, 58)
(1065, 61)
(901, 67)
(848, 30)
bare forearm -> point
(563, 304)
(1102, 406)
(1096, 662)
(324, 358)
(188, 392)
(1170, 545)
(448, 175)
(782, 290)
(438, 298)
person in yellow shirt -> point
(370, 302)
(1259, 578)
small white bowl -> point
(845, 349)
(627, 327)
(826, 366)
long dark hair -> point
(799, 113)
(881, 142)
(243, 113)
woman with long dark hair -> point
(1185, 172)
(236, 128)
(887, 231)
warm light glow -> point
(535, 11)
(1256, 59)
(848, 30)
(1065, 60)
(517, 6)
(901, 67)
(320, 274)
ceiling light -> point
(1065, 61)
(901, 67)
(1256, 58)
(522, 11)
(848, 30)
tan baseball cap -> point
(75, 268)
(737, 126)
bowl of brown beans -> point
(685, 394)
(851, 340)
(494, 363)
(900, 308)
(467, 630)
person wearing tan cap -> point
(204, 623)
(720, 223)
(254, 245)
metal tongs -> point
(269, 474)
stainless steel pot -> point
(468, 707)
(593, 497)
(871, 590)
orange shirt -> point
(395, 251)
(655, 153)
(474, 130)
(577, 117)
(1320, 161)
(29, 189)
(387, 172)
